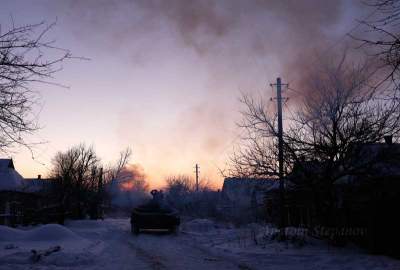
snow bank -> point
(9, 234)
(16, 246)
(49, 232)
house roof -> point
(6, 163)
(378, 159)
(10, 179)
(241, 190)
(33, 185)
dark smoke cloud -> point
(242, 44)
(202, 24)
(228, 34)
(258, 26)
(133, 173)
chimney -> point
(388, 139)
(39, 176)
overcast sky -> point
(165, 76)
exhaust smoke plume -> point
(130, 188)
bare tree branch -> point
(385, 39)
(23, 61)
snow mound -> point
(48, 232)
(7, 233)
(199, 226)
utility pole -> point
(282, 224)
(197, 167)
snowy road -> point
(110, 245)
(157, 251)
(193, 251)
(168, 252)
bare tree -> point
(342, 111)
(256, 156)
(113, 172)
(383, 35)
(77, 172)
(338, 114)
(180, 184)
(26, 57)
(81, 183)
(339, 109)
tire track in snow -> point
(153, 260)
(174, 252)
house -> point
(243, 199)
(298, 204)
(22, 201)
(14, 202)
(361, 203)
(38, 185)
(370, 197)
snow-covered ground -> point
(201, 244)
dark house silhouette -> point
(361, 205)
(22, 201)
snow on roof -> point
(10, 179)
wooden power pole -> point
(282, 224)
(197, 176)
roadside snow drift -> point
(199, 226)
(49, 232)
(50, 244)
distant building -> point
(243, 199)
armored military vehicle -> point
(154, 215)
